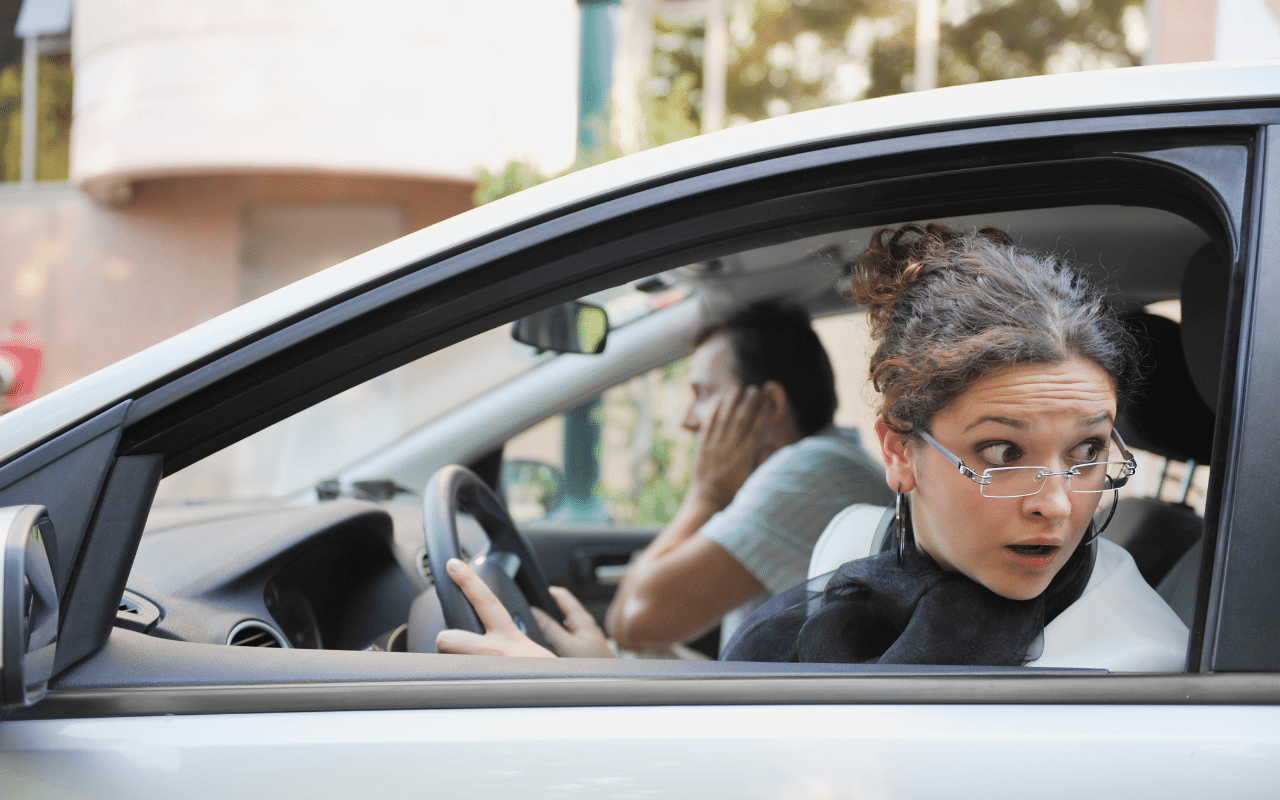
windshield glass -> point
(311, 446)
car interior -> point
(343, 566)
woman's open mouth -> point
(1032, 555)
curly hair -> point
(948, 308)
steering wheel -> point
(509, 567)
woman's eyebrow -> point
(1094, 420)
(1010, 421)
(1022, 424)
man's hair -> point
(772, 342)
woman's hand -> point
(580, 637)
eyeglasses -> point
(1091, 478)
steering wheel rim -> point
(453, 489)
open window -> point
(1138, 208)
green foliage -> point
(673, 116)
(520, 175)
(10, 123)
(795, 55)
(516, 177)
(53, 122)
(659, 497)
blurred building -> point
(1212, 30)
(213, 150)
(223, 149)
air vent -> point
(254, 633)
(137, 613)
(424, 566)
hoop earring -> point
(901, 522)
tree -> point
(794, 55)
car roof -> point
(998, 101)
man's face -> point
(711, 373)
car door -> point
(128, 714)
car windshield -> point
(293, 456)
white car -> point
(120, 624)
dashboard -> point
(326, 576)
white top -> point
(1119, 623)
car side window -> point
(620, 458)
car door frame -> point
(183, 417)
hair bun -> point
(898, 258)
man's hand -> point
(730, 446)
(581, 638)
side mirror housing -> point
(573, 327)
(28, 606)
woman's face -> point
(1049, 415)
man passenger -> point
(771, 471)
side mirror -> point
(28, 606)
(573, 327)
(532, 489)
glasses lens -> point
(1013, 481)
(1102, 476)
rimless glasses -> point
(1091, 477)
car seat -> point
(1166, 417)
(1205, 293)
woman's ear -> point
(896, 447)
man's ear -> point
(775, 405)
(896, 447)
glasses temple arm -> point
(954, 459)
(1131, 464)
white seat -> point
(850, 535)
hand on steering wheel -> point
(501, 637)
(580, 637)
(508, 568)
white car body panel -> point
(996, 101)
(872, 751)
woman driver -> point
(1000, 373)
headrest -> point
(1166, 415)
(1205, 286)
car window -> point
(621, 458)
(291, 458)
(626, 458)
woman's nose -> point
(1053, 501)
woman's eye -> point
(1001, 454)
(1087, 451)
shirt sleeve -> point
(777, 516)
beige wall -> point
(1183, 31)
(98, 283)
(379, 87)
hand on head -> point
(732, 443)
(579, 637)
